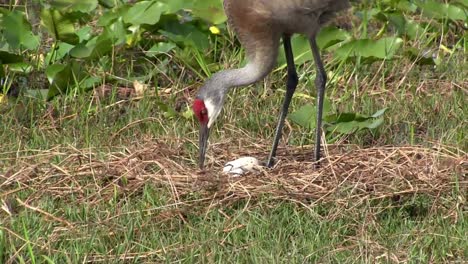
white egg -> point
(241, 165)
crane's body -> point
(260, 25)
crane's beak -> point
(203, 142)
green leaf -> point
(61, 77)
(379, 113)
(371, 123)
(84, 6)
(90, 82)
(109, 17)
(59, 26)
(145, 12)
(168, 111)
(462, 2)
(345, 127)
(53, 70)
(414, 30)
(433, 9)
(102, 44)
(384, 48)
(407, 6)
(17, 31)
(301, 51)
(116, 32)
(82, 50)
(304, 116)
(186, 35)
(8, 58)
(339, 118)
(84, 33)
(173, 6)
(209, 10)
(160, 48)
(347, 123)
(329, 36)
(326, 38)
(107, 3)
(58, 53)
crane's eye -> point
(204, 112)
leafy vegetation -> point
(95, 130)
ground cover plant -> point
(98, 144)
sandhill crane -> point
(260, 25)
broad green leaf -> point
(110, 16)
(384, 48)
(186, 35)
(59, 77)
(83, 50)
(173, 6)
(304, 116)
(160, 48)
(58, 53)
(90, 82)
(398, 20)
(414, 30)
(84, 33)
(371, 123)
(462, 2)
(59, 26)
(107, 3)
(339, 118)
(84, 6)
(439, 10)
(7, 57)
(62, 77)
(117, 32)
(407, 6)
(344, 127)
(99, 45)
(326, 38)
(209, 10)
(347, 123)
(145, 12)
(301, 51)
(17, 31)
(53, 70)
(379, 113)
(21, 67)
(329, 36)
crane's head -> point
(206, 110)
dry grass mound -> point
(347, 172)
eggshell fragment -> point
(241, 166)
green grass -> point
(129, 221)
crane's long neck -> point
(214, 91)
(249, 74)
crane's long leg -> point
(320, 83)
(290, 88)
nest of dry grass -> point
(347, 172)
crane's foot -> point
(316, 165)
(270, 162)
